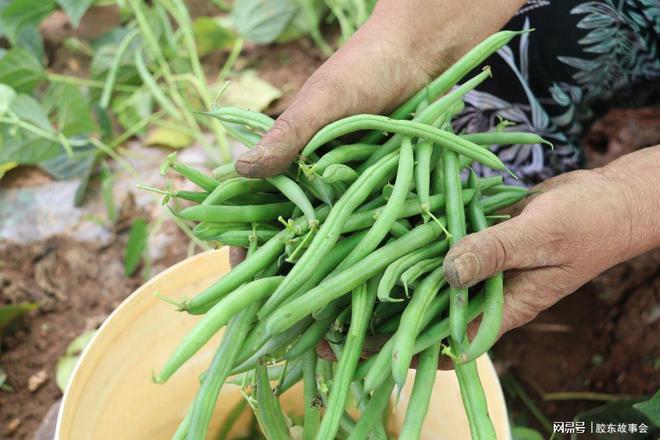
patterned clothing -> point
(582, 57)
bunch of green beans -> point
(347, 246)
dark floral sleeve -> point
(580, 59)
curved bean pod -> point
(244, 213)
(269, 413)
(404, 128)
(329, 232)
(450, 77)
(505, 138)
(344, 154)
(215, 319)
(420, 396)
(345, 281)
(207, 396)
(363, 298)
(491, 320)
(410, 327)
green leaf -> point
(75, 9)
(73, 112)
(132, 109)
(64, 167)
(650, 408)
(30, 39)
(137, 243)
(107, 193)
(7, 96)
(249, 91)
(210, 35)
(20, 14)
(24, 146)
(262, 21)
(168, 136)
(21, 70)
(11, 312)
(67, 363)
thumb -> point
(511, 244)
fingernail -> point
(464, 269)
(253, 155)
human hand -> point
(580, 224)
(403, 45)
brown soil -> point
(76, 284)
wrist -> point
(637, 180)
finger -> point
(527, 293)
(236, 256)
(522, 242)
(352, 81)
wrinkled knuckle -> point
(498, 248)
(283, 129)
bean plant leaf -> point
(75, 9)
(71, 109)
(24, 146)
(67, 363)
(650, 408)
(210, 35)
(30, 39)
(63, 166)
(132, 109)
(7, 96)
(168, 136)
(249, 91)
(21, 70)
(20, 14)
(11, 312)
(264, 20)
(137, 243)
(617, 411)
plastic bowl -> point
(111, 395)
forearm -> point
(439, 32)
(638, 176)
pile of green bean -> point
(347, 246)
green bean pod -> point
(410, 326)
(452, 75)
(310, 395)
(491, 320)
(404, 128)
(423, 173)
(410, 275)
(437, 113)
(388, 215)
(269, 413)
(236, 187)
(329, 232)
(456, 226)
(225, 172)
(398, 267)
(207, 396)
(244, 213)
(344, 154)
(345, 281)
(420, 397)
(373, 412)
(215, 319)
(237, 115)
(362, 303)
(196, 176)
(505, 138)
(242, 238)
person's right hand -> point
(403, 45)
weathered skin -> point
(583, 223)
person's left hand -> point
(581, 224)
